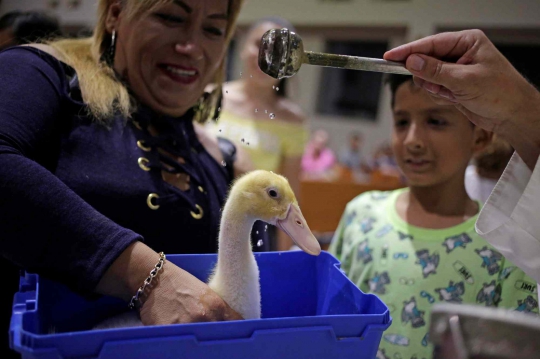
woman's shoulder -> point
(291, 112)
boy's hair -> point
(30, 26)
(394, 81)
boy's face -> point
(432, 143)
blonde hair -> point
(104, 94)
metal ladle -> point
(281, 54)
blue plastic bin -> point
(309, 307)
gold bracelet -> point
(153, 273)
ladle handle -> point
(354, 63)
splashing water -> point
(273, 87)
(242, 140)
(223, 163)
(277, 88)
(219, 109)
(272, 116)
(260, 243)
(265, 227)
(247, 143)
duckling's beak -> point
(296, 227)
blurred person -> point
(260, 118)
(318, 161)
(24, 27)
(486, 169)
(352, 155)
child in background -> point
(482, 176)
(418, 246)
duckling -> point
(257, 195)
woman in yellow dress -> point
(257, 116)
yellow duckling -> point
(258, 195)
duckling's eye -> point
(272, 193)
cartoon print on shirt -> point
(378, 282)
(452, 293)
(490, 259)
(454, 242)
(490, 294)
(528, 305)
(363, 252)
(429, 263)
(410, 313)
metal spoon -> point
(281, 54)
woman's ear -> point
(113, 16)
(482, 139)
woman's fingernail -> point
(416, 62)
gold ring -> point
(142, 163)
(141, 145)
(149, 201)
(197, 215)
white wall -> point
(418, 17)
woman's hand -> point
(179, 297)
(480, 82)
(175, 295)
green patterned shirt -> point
(410, 268)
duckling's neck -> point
(234, 241)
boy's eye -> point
(401, 123)
(437, 122)
(214, 31)
(170, 18)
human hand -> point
(174, 296)
(179, 297)
(478, 80)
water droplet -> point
(256, 110)
(240, 74)
(272, 116)
(260, 243)
(257, 232)
(277, 88)
(273, 87)
(265, 111)
(220, 130)
(227, 91)
(265, 227)
(223, 163)
(247, 143)
(242, 140)
(219, 109)
(250, 75)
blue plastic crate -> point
(309, 308)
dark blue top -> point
(73, 193)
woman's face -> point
(171, 53)
(250, 54)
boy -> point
(418, 246)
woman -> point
(98, 152)
(493, 95)
(258, 117)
